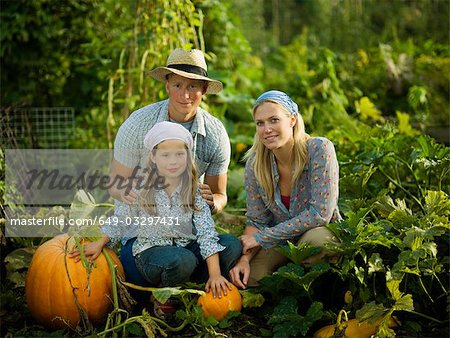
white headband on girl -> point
(163, 131)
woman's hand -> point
(240, 273)
(248, 243)
(217, 285)
(91, 250)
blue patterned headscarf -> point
(281, 98)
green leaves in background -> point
(374, 101)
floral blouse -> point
(313, 200)
(172, 226)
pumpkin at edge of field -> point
(49, 291)
(355, 329)
(219, 307)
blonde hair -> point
(189, 185)
(260, 155)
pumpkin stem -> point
(426, 316)
(341, 324)
(88, 265)
(86, 325)
(124, 296)
(115, 316)
(112, 268)
(146, 322)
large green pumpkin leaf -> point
(437, 201)
(298, 253)
(82, 205)
(251, 299)
(293, 273)
(376, 263)
(288, 323)
(371, 312)
(163, 294)
(19, 259)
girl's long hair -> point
(261, 161)
(189, 185)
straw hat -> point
(190, 64)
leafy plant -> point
(288, 323)
(394, 240)
(395, 227)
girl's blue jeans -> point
(172, 265)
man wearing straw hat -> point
(186, 81)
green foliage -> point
(345, 25)
(394, 238)
(393, 60)
(368, 110)
(39, 49)
(298, 253)
(288, 323)
(236, 190)
(414, 227)
(293, 273)
(375, 68)
(399, 165)
(17, 263)
(251, 299)
(372, 312)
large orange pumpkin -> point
(219, 307)
(55, 282)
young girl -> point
(174, 237)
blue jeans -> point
(172, 265)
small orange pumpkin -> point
(354, 329)
(55, 281)
(219, 307)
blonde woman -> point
(292, 189)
